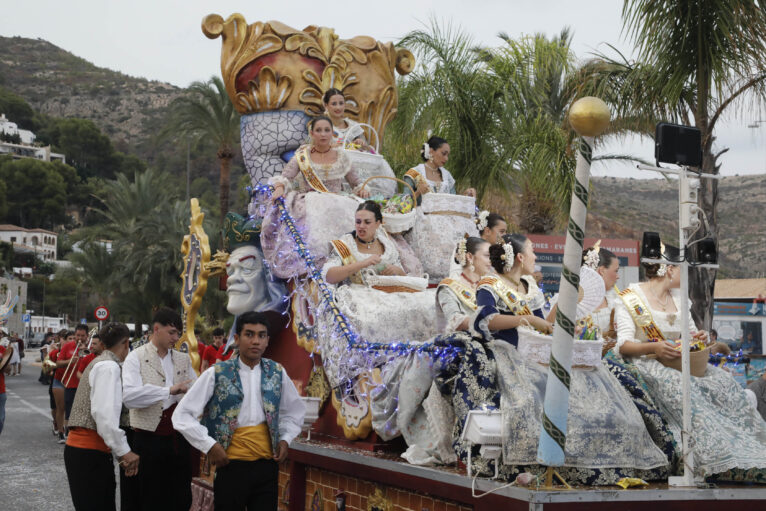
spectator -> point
(210, 355)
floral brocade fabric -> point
(221, 412)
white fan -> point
(591, 292)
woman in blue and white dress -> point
(729, 435)
(606, 438)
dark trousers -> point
(129, 493)
(164, 471)
(91, 479)
(246, 485)
(69, 400)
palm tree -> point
(696, 59)
(501, 109)
(207, 114)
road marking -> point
(44, 413)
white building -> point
(10, 128)
(18, 288)
(47, 324)
(25, 149)
(40, 242)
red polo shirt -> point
(221, 356)
(84, 361)
(67, 352)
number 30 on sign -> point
(101, 313)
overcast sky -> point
(162, 40)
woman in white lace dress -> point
(409, 402)
(431, 176)
(316, 167)
(335, 107)
(606, 437)
(456, 295)
(607, 265)
(728, 434)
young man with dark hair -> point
(250, 412)
(96, 348)
(210, 355)
(94, 427)
(154, 378)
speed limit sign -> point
(101, 313)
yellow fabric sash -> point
(347, 258)
(641, 315)
(304, 164)
(465, 294)
(514, 302)
(250, 443)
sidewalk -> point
(32, 475)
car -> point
(36, 340)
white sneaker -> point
(62, 438)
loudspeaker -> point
(650, 246)
(706, 252)
(679, 145)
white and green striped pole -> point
(589, 117)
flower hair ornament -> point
(426, 147)
(592, 258)
(508, 257)
(481, 221)
(460, 252)
(663, 269)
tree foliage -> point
(696, 60)
(206, 113)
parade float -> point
(378, 432)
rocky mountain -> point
(55, 82)
(624, 208)
(130, 109)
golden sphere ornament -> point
(589, 116)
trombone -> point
(76, 356)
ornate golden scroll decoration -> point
(196, 251)
(270, 66)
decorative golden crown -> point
(271, 66)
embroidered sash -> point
(416, 178)
(347, 258)
(641, 315)
(465, 294)
(515, 303)
(304, 164)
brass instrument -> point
(77, 355)
(49, 366)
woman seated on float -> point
(456, 296)
(607, 265)
(729, 435)
(492, 227)
(510, 298)
(367, 247)
(317, 166)
(335, 108)
(431, 176)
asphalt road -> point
(32, 475)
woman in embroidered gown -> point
(316, 167)
(431, 176)
(607, 265)
(408, 402)
(492, 227)
(606, 437)
(335, 107)
(729, 436)
(357, 260)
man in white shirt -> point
(154, 378)
(248, 405)
(94, 427)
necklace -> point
(315, 150)
(662, 304)
(473, 282)
(368, 244)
